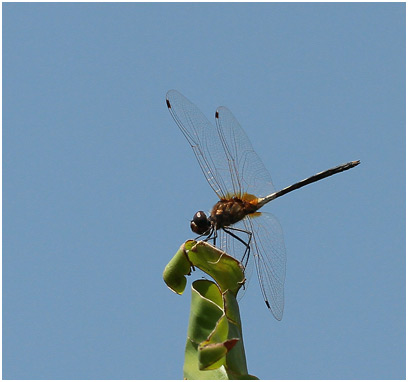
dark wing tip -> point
(170, 95)
(278, 317)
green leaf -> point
(176, 269)
(227, 271)
(214, 347)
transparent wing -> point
(246, 171)
(204, 141)
(267, 251)
(225, 154)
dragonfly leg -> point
(209, 236)
(245, 257)
(215, 236)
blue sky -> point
(99, 185)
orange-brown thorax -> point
(230, 211)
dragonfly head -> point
(200, 223)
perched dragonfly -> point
(243, 185)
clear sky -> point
(99, 185)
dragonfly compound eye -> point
(200, 223)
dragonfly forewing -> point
(247, 171)
(203, 139)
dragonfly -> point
(243, 185)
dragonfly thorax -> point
(230, 211)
